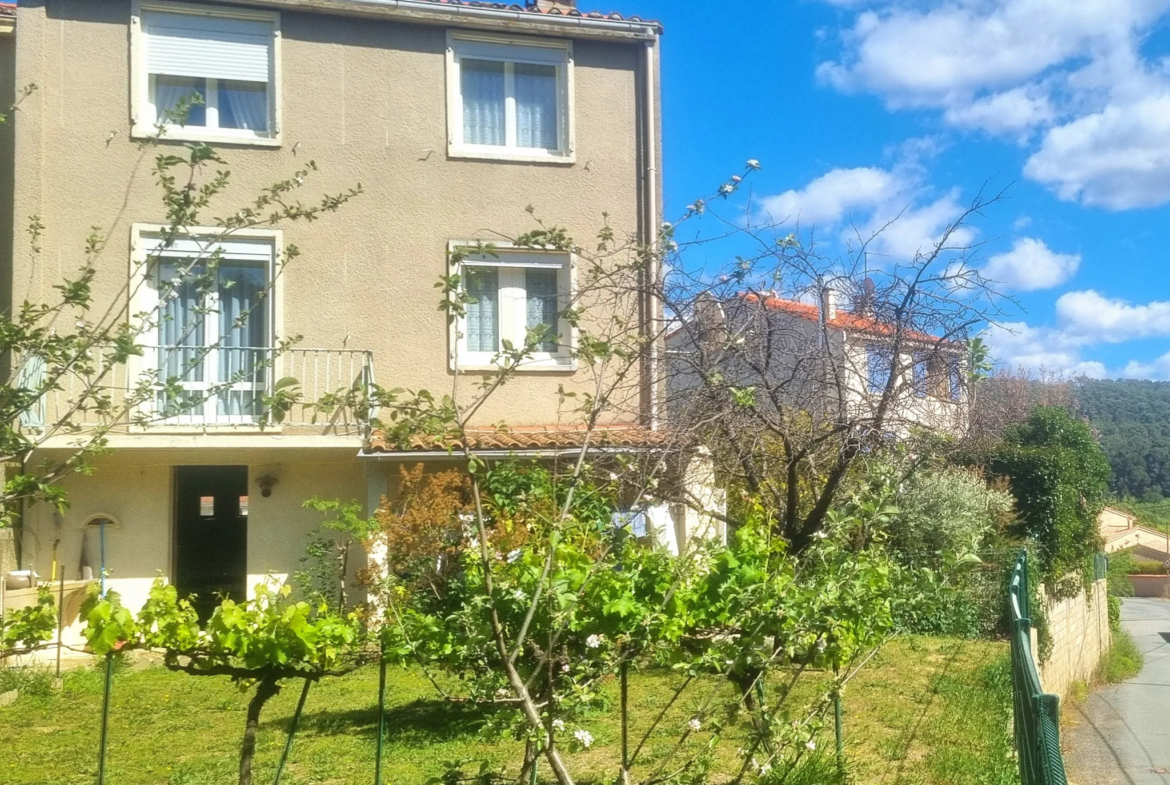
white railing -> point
(207, 387)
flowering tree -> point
(518, 578)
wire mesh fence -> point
(1037, 715)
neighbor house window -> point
(509, 100)
(206, 74)
(955, 379)
(878, 366)
(212, 351)
(513, 297)
(921, 375)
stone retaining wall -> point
(1080, 636)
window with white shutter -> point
(206, 75)
(514, 296)
(509, 99)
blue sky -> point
(858, 109)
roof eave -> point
(501, 19)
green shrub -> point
(1058, 475)
(1146, 567)
(951, 510)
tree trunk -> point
(268, 687)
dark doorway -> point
(211, 534)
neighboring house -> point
(832, 362)
(454, 116)
(1122, 531)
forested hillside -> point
(1133, 418)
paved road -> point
(1121, 735)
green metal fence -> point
(1037, 715)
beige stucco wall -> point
(366, 100)
(1080, 635)
(135, 488)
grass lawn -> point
(924, 712)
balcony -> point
(208, 389)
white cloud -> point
(1084, 319)
(834, 196)
(1031, 265)
(1074, 71)
(894, 210)
(1117, 158)
(1158, 368)
(1098, 319)
(960, 48)
(1010, 113)
(1040, 350)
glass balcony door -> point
(214, 352)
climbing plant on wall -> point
(1059, 477)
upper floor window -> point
(514, 296)
(510, 100)
(220, 64)
(879, 364)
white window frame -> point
(510, 51)
(144, 115)
(145, 300)
(512, 263)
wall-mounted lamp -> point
(266, 482)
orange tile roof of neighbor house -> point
(844, 320)
(7, 9)
(531, 438)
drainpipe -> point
(652, 222)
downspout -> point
(652, 225)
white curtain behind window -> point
(536, 106)
(180, 330)
(482, 84)
(243, 105)
(243, 327)
(541, 287)
(170, 90)
(483, 324)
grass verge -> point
(1123, 661)
(925, 711)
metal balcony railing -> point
(205, 387)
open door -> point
(211, 534)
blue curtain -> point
(243, 105)
(536, 106)
(483, 102)
(541, 290)
(243, 328)
(483, 323)
(169, 90)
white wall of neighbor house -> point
(135, 489)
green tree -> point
(1059, 477)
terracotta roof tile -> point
(843, 320)
(549, 437)
(8, 9)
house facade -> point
(835, 363)
(454, 117)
